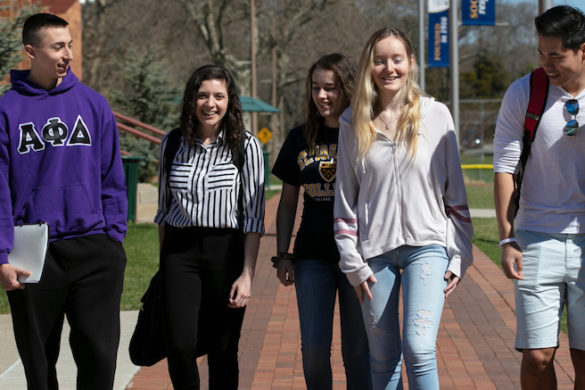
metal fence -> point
(477, 122)
(478, 172)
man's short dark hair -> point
(35, 22)
(565, 22)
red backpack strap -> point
(536, 105)
(537, 102)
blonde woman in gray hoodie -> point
(401, 214)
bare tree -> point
(211, 18)
(287, 34)
(97, 35)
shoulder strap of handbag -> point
(238, 159)
(537, 103)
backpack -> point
(238, 159)
(537, 103)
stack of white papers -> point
(29, 250)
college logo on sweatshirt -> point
(54, 132)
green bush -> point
(148, 95)
(11, 41)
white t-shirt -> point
(553, 188)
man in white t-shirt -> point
(543, 246)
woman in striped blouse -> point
(211, 218)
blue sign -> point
(478, 12)
(438, 40)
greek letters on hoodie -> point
(59, 162)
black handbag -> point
(147, 345)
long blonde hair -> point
(366, 99)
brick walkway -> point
(475, 344)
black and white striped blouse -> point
(204, 185)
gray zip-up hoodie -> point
(387, 199)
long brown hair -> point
(232, 121)
(344, 69)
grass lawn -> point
(4, 308)
(141, 246)
(273, 181)
(480, 195)
(485, 237)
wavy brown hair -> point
(344, 69)
(232, 121)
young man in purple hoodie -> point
(60, 164)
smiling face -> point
(50, 58)
(327, 96)
(564, 67)
(391, 65)
(211, 106)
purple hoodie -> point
(59, 162)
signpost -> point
(264, 135)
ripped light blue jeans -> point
(422, 278)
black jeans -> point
(198, 267)
(82, 279)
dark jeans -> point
(317, 283)
(198, 267)
(82, 279)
